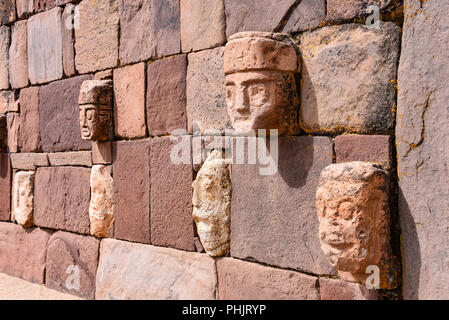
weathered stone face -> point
(23, 198)
(212, 192)
(260, 84)
(352, 206)
(101, 209)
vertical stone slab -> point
(13, 123)
(68, 40)
(18, 56)
(5, 187)
(23, 198)
(59, 116)
(101, 208)
(45, 46)
(166, 95)
(131, 191)
(273, 217)
(171, 198)
(61, 198)
(29, 131)
(421, 136)
(4, 57)
(96, 41)
(71, 256)
(23, 252)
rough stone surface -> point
(101, 152)
(138, 42)
(129, 101)
(101, 209)
(29, 131)
(8, 102)
(12, 288)
(29, 161)
(331, 289)
(5, 187)
(421, 133)
(171, 198)
(23, 198)
(364, 148)
(25, 251)
(240, 280)
(132, 191)
(98, 92)
(206, 98)
(13, 123)
(166, 95)
(135, 271)
(18, 56)
(4, 56)
(42, 5)
(307, 15)
(96, 41)
(68, 256)
(338, 10)
(24, 8)
(273, 217)
(68, 40)
(8, 11)
(212, 191)
(61, 199)
(203, 24)
(45, 46)
(77, 158)
(59, 116)
(348, 80)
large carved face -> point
(95, 123)
(259, 100)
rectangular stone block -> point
(332, 101)
(331, 289)
(29, 131)
(129, 101)
(364, 148)
(203, 24)
(13, 124)
(160, 274)
(29, 161)
(171, 198)
(23, 252)
(132, 191)
(206, 99)
(138, 42)
(273, 217)
(22, 202)
(61, 199)
(4, 56)
(71, 265)
(101, 152)
(45, 46)
(68, 40)
(24, 8)
(96, 40)
(166, 95)
(78, 158)
(8, 11)
(240, 280)
(339, 10)
(18, 56)
(59, 116)
(5, 187)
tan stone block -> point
(76, 158)
(24, 8)
(101, 209)
(18, 56)
(23, 198)
(29, 161)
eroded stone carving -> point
(352, 206)
(212, 193)
(260, 82)
(101, 208)
(95, 103)
(23, 198)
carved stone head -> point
(211, 201)
(261, 91)
(95, 102)
(352, 207)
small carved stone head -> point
(95, 103)
(352, 207)
(261, 91)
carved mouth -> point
(85, 131)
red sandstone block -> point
(23, 252)
(131, 167)
(72, 262)
(331, 289)
(42, 5)
(240, 280)
(171, 198)
(5, 187)
(29, 133)
(166, 95)
(61, 198)
(363, 148)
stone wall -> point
(358, 93)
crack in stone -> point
(423, 129)
(287, 15)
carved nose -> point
(241, 104)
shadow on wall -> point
(411, 260)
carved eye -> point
(230, 95)
(259, 94)
(89, 114)
(346, 210)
